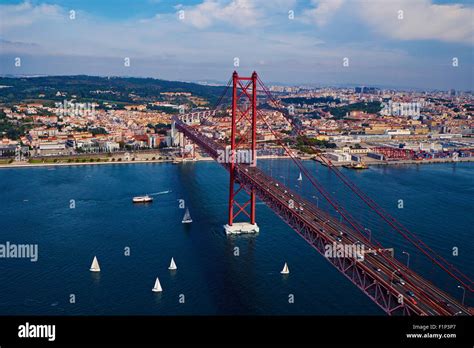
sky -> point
(422, 44)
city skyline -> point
(288, 42)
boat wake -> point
(159, 193)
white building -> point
(338, 157)
(430, 147)
(111, 146)
(397, 132)
(51, 149)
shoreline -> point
(378, 163)
(431, 161)
(67, 164)
(404, 162)
(73, 164)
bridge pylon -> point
(242, 150)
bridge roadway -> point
(380, 276)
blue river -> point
(76, 213)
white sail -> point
(172, 265)
(285, 269)
(157, 287)
(300, 178)
(95, 265)
(187, 217)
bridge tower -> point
(242, 150)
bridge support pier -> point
(241, 227)
(244, 114)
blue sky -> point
(382, 49)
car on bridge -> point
(411, 296)
(400, 281)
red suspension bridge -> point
(391, 284)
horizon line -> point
(222, 83)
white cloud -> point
(422, 20)
(322, 11)
(239, 12)
(25, 14)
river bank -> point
(402, 162)
(179, 161)
(66, 164)
(105, 161)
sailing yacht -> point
(300, 178)
(95, 265)
(187, 217)
(285, 269)
(172, 266)
(157, 287)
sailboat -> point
(300, 178)
(172, 266)
(95, 265)
(157, 287)
(187, 217)
(285, 269)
